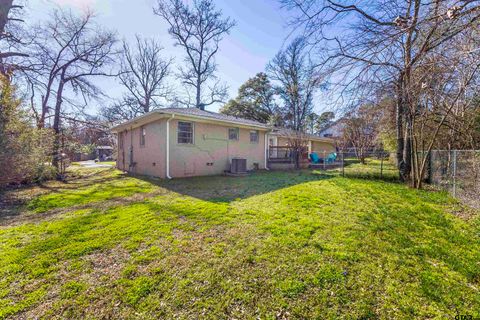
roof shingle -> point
(212, 115)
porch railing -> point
(284, 153)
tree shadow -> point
(75, 190)
(227, 189)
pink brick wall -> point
(212, 146)
(148, 159)
(210, 154)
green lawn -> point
(371, 169)
(110, 163)
(274, 245)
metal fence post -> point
(454, 173)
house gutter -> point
(266, 151)
(167, 154)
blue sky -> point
(260, 33)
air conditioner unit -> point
(239, 165)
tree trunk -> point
(406, 168)
(399, 128)
(5, 6)
(56, 123)
(45, 99)
(198, 97)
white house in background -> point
(333, 130)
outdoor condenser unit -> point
(239, 165)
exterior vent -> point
(238, 165)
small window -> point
(185, 132)
(143, 133)
(254, 136)
(120, 140)
(233, 134)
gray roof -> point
(284, 132)
(193, 112)
(210, 114)
(332, 124)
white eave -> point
(307, 137)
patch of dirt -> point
(465, 212)
(13, 200)
(17, 215)
(106, 264)
(104, 268)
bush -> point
(44, 171)
(24, 149)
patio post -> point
(324, 159)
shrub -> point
(24, 149)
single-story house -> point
(183, 142)
(333, 130)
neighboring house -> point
(183, 142)
(333, 130)
(314, 143)
(104, 153)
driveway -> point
(93, 164)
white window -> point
(233, 133)
(254, 136)
(185, 132)
(143, 133)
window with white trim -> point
(185, 132)
(233, 133)
(143, 133)
(254, 136)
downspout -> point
(130, 155)
(266, 151)
(167, 174)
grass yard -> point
(274, 245)
(372, 169)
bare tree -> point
(198, 29)
(296, 82)
(144, 73)
(372, 44)
(447, 89)
(297, 142)
(9, 39)
(121, 110)
(360, 130)
(68, 51)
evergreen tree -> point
(255, 101)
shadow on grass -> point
(74, 181)
(227, 189)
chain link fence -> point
(458, 172)
(348, 163)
